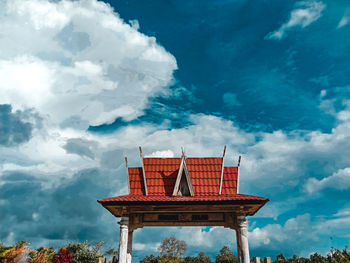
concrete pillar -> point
(242, 240)
(238, 240)
(123, 240)
(129, 250)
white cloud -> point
(339, 180)
(139, 246)
(344, 21)
(166, 153)
(276, 236)
(305, 13)
(146, 247)
(80, 59)
(345, 212)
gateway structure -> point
(183, 191)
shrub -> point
(63, 256)
(41, 255)
(13, 254)
(84, 252)
(201, 258)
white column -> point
(242, 240)
(123, 241)
(129, 250)
(238, 240)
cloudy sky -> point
(84, 83)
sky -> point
(84, 83)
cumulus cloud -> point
(166, 153)
(344, 21)
(305, 13)
(80, 61)
(339, 180)
(80, 146)
(14, 129)
(294, 230)
(344, 212)
(53, 216)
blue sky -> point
(84, 83)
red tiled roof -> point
(136, 181)
(205, 175)
(161, 175)
(154, 198)
(229, 181)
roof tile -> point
(143, 198)
(205, 174)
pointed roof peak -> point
(183, 184)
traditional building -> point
(183, 191)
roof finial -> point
(238, 166)
(127, 172)
(183, 151)
(222, 170)
(143, 171)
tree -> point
(337, 256)
(280, 259)
(317, 258)
(226, 256)
(171, 247)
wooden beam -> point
(143, 171)
(188, 178)
(127, 172)
(185, 209)
(238, 165)
(183, 167)
(222, 170)
(178, 178)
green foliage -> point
(160, 259)
(317, 258)
(111, 251)
(84, 252)
(337, 256)
(226, 256)
(149, 259)
(168, 259)
(201, 258)
(334, 256)
(13, 254)
(171, 251)
(41, 255)
(171, 247)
